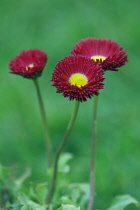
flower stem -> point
(62, 144)
(94, 117)
(43, 115)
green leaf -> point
(32, 193)
(63, 162)
(26, 207)
(41, 192)
(122, 201)
(23, 199)
(16, 207)
(79, 193)
(66, 200)
(32, 206)
(28, 204)
(69, 207)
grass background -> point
(55, 26)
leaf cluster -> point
(14, 195)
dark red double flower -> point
(29, 63)
(107, 52)
(78, 77)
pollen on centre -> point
(78, 80)
(98, 57)
(30, 66)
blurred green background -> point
(54, 27)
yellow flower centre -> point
(30, 66)
(98, 57)
(78, 80)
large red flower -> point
(78, 77)
(29, 63)
(109, 53)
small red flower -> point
(29, 63)
(109, 53)
(78, 77)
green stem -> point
(62, 144)
(94, 117)
(43, 115)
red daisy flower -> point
(78, 77)
(29, 63)
(109, 53)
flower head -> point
(105, 51)
(29, 63)
(78, 77)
